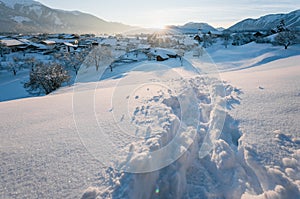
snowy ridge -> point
(268, 22)
(192, 27)
(11, 3)
(45, 19)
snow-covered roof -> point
(26, 41)
(70, 45)
(49, 42)
(12, 42)
(162, 52)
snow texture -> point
(243, 142)
(20, 19)
(12, 3)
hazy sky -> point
(158, 13)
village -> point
(24, 56)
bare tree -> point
(285, 38)
(180, 53)
(30, 61)
(14, 66)
(46, 78)
(100, 56)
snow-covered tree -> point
(72, 61)
(281, 26)
(30, 61)
(14, 66)
(100, 56)
(180, 52)
(46, 78)
(207, 41)
(241, 39)
(285, 38)
(226, 38)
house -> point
(13, 44)
(258, 34)
(68, 47)
(49, 43)
(161, 58)
(198, 38)
(215, 34)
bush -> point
(46, 78)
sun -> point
(157, 26)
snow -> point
(160, 129)
(12, 3)
(11, 87)
(49, 42)
(38, 10)
(57, 20)
(20, 19)
(11, 42)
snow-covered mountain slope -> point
(192, 28)
(268, 22)
(13, 3)
(249, 55)
(79, 141)
(24, 16)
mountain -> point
(29, 16)
(268, 22)
(192, 28)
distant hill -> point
(192, 28)
(292, 21)
(29, 16)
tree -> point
(285, 38)
(72, 60)
(226, 37)
(207, 40)
(281, 26)
(13, 67)
(239, 39)
(100, 56)
(46, 78)
(180, 53)
(30, 62)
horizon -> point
(156, 14)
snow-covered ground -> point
(150, 130)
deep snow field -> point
(161, 130)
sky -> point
(159, 13)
